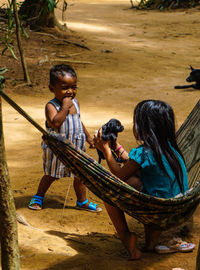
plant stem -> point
(21, 51)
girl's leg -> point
(128, 238)
(151, 237)
(135, 182)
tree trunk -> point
(198, 258)
(37, 14)
(8, 223)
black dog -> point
(194, 77)
(110, 132)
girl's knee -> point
(135, 182)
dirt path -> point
(134, 55)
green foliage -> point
(9, 36)
(47, 7)
(162, 4)
(51, 5)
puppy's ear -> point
(110, 124)
(191, 67)
(103, 129)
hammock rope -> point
(22, 112)
(156, 212)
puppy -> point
(194, 77)
(110, 132)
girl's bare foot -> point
(130, 243)
(151, 238)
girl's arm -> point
(128, 170)
(121, 152)
(55, 118)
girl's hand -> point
(100, 143)
(116, 144)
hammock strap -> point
(22, 112)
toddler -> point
(63, 117)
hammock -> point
(159, 213)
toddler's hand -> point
(91, 142)
(67, 101)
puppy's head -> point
(194, 75)
(111, 129)
(110, 132)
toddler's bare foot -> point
(36, 202)
(36, 206)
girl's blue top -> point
(155, 181)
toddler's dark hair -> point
(155, 126)
(58, 70)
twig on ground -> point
(71, 61)
(47, 34)
(21, 85)
(68, 55)
(77, 44)
(64, 40)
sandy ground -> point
(134, 55)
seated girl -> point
(156, 167)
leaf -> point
(24, 32)
(4, 50)
(3, 70)
(2, 80)
(51, 5)
(12, 52)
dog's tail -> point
(182, 86)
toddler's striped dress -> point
(70, 129)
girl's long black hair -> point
(155, 126)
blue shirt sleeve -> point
(140, 156)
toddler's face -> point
(65, 87)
